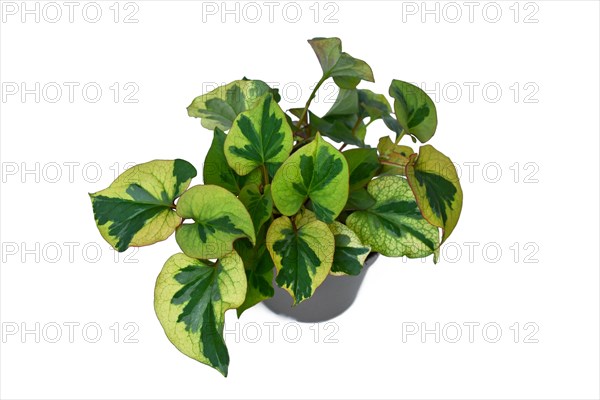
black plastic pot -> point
(331, 299)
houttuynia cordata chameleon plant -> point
(279, 202)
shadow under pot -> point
(333, 297)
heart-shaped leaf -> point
(349, 71)
(346, 70)
(436, 186)
(190, 300)
(259, 137)
(350, 254)
(318, 172)
(302, 253)
(136, 209)
(219, 107)
(394, 226)
(216, 170)
(414, 109)
(219, 219)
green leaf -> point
(340, 128)
(259, 137)
(363, 165)
(344, 121)
(217, 171)
(436, 186)
(393, 125)
(219, 107)
(350, 254)
(346, 70)
(349, 71)
(362, 103)
(296, 112)
(373, 105)
(302, 255)
(359, 199)
(414, 109)
(136, 209)
(346, 103)
(328, 51)
(259, 270)
(349, 82)
(259, 205)
(317, 172)
(219, 219)
(393, 153)
(190, 300)
(394, 226)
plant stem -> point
(393, 164)
(293, 221)
(265, 174)
(300, 134)
(399, 137)
(310, 99)
(301, 142)
(356, 124)
(342, 146)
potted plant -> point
(279, 202)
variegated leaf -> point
(259, 138)
(190, 300)
(318, 172)
(217, 171)
(350, 254)
(219, 107)
(394, 226)
(137, 208)
(302, 253)
(436, 186)
(219, 219)
(414, 109)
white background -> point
(176, 49)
